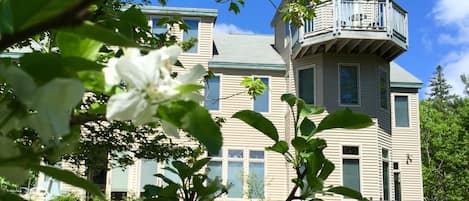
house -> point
(341, 58)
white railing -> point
(399, 18)
(362, 14)
(308, 26)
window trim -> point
(297, 82)
(409, 112)
(270, 93)
(198, 35)
(388, 88)
(358, 83)
(220, 92)
(347, 156)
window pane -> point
(385, 154)
(235, 153)
(397, 186)
(192, 32)
(261, 104)
(349, 150)
(386, 180)
(256, 154)
(351, 173)
(256, 180)
(235, 178)
(147, 173)
(383, 89)
(306, 85)
(349, 85)
(401, 108)
(158, 29)
(395, 165)
(214, 169)
(212, 93)
(119, 179)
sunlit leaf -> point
(344, 119)
(279, 147)
(74, 45)
(341, 190)
(259, 122)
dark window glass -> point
(158, 29)
(397, 186)
(395, 165)
(349, 150)
(349, 92)
(256, 154)
(401, 107)
(351, 173)
(192, 32)
(306, 85)
(386, 188)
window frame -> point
(220, 92)
(350, 156)
(270, 93)
(297, 82)
(409, 112)
(198, 35)
(357, 65)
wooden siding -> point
(406, 150)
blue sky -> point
(438, 32)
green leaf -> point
(289, 98)
(344, 119)
(315, 161)
(10, 196)
(307, 127)
(45, 67)
(279, 147)
(188, 88)
(326, 170)
(194, 119)
(259, 122)
(74, 45)
(199, 164)
(299, 143)
(348, 192)
(69, 178)
(96, 32)
(20, 81)
(183, 170)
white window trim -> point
(359, 85)
(220, 93)
(381, 68)
(198, 36)
(268, 88)
(287, 39)
(393, 113)
(349, 156)
(297, 82)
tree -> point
(465, 81)
(444, 142)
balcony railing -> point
(356, 15)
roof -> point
(242, 51)
(400, 78)
(196, 12)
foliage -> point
(191, 184)
(66, 197)
(307, 158)
(444, 143)
(465, 81)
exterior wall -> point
(238, 135)
(406, 149)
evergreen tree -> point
(465, 80)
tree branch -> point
(70, 17)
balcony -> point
(353, 27)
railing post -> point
(338, 14)
(389, 17)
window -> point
(235, 173)
(261, 103)
(158, 29)
(349, 86)
(148, 169)
(397, 186)
(306, 85)
(212, 93)
(351, 168)
(383, 88)
(256, 174)
(119, 183)
(192, 33)
(386, 189)
(401, 107)
(231, 169)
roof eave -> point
(249, 66)
(200, 12)
(406, 85)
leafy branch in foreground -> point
(311, 166)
